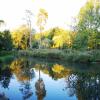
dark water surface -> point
(31, 79)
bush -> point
(66, 55)
(43, 53)
(6, 58)
(35, 44)
(82, 56)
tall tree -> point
(41, 21)
(28, 19)
(88, 26)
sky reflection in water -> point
(25, 79)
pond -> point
(37, 79)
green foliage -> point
(5, 40)
(35, 44)
(43, 53)
(55, 38)
(80, 41)
(82, 56)
(4, 53)
(88, 34)
(94, 40)
(64, 55)
(95, 55)
(6, 58)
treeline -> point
(53, 38)
(85, 35)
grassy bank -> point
(83, 56)
(55, 54)
(43, 53)
(66, 55)
(6, 56)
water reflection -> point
(3, 96)
(84, 86)
(5, 75)
(45, 81)
(21, 68)
(39, 85)
(40, 89)
(26, 90)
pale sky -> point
(60, 11)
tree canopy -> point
(88, 33)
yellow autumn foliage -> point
(18, 71)
(57, 68)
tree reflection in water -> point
(86, 86)
(5, 75)
(21, 68)
(26, 90)
(3, 96)
(40, 87)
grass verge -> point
(66, 55)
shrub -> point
(66, 55)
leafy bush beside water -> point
(7, 56)
(66, 55)
(43, 53)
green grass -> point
(55, 54)
(83, 56)
(6, 56)
(66, 55)
(43, 53)
(4, 53)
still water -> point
(36, 79)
